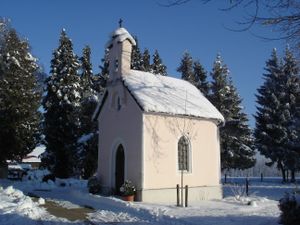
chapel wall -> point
(116, 127)
(161, 134)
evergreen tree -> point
(41, 77)
(104, 74)
(146, 61)
(136, 56)
(186, 68)
(237, 150)
(277, 113)
(19, 98)
(86, 72)
(62, 108)
(157, 66)
(194, 73)
(201, 78)
(100, 79)
(88, 132)
(292, 114)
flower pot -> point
(128, 198)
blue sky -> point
(193, 27)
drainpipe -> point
(142, 157)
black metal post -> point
(261, 177)
(247, 186)
(225, 180)
(181, 203)
(186, 195)
(177, 190)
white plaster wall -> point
(195, 194)
(122, 53)
(161, 135)
(120, 127)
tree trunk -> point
(282, 172)
(293, 179)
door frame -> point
(114, 149)
(119, 165)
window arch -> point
(183, 154)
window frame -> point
(189, 154)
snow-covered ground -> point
(17, 208)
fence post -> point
(186, 195)
(225, 178)
(177, 190)
(247, 186)
(261, 177)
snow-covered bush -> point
(48, 177)
(290, 209)
(94, 185)
(238, 191)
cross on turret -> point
(120, 22)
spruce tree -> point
(136, 56)
(292, 111)
(19, 98)
(201, 78)
(62, 105)
(88, 130)
(237, 151)
(157, 67)
(186, 68)
(276, 131)
(100, 79)
(146, 61)
(194, 73)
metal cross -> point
(120, 23)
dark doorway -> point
(119, 172)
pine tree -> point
(268, 133)
(292, 112)
(62, 108)
(86, 72)
(201, 78)
(136, 56)
(146, 61)
(157, 66)
(88, 131)
(19, 98)
(186, 68)
(41, 77)
(237, 151)
(100, 79)
(277, 114)
(104, 74)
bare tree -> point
(283, 16)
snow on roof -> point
(34, 156)
(155, 93)
(120, 35)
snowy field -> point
(260, 208)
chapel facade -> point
(155, 131)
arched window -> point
(183, 154)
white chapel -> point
(152, 128)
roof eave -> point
(99, 106)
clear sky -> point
(193, 27)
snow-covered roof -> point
(155, 93)
(34, 156)
(120, 35)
